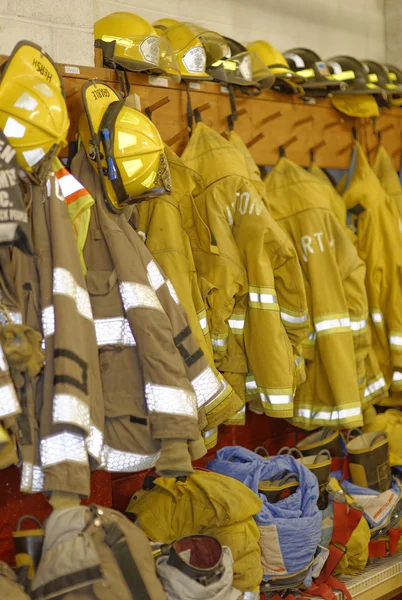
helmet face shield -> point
(194, 47)
(244, 69)
(33, 111)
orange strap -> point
(346, 519)
(324, 590)
(381, 548)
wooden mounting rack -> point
(267, 123)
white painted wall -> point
(330, 27)
(393, 31)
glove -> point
(61, 500)
(175, 460)
(197, 449)
(22, 347)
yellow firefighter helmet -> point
(125, 147)
(194, 47)
(132, 43)
(33, 111)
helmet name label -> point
(99, 93)
(42, 70)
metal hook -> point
(318, 146)
(197, 111)
(150, 109)
(386, 128)
(314, 149)
(255, 139)
(233, 117)
(175, 138)
(272, 117)
(303, 121)
(345, 149)
(71, 92)
(334, 124)
(286, 144)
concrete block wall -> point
(393, 29)
(64, 27)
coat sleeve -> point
(224, 288)
(353, 271)
(291, 293)
(266, 338)
(334, 400)
(382, 250)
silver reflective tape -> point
(9, 404)
(263, 298)
(65, 284)
(251, 384)
(395, 340)
(298, 361)
(16, 317)
(206, 386)
(250, 596)
(126, 462)
(210, 433)
(332, 324)
(292, 319)
(312, 336)
(276, 398)
(219, 342)
(26, 101)
(203, 323)
(3, 361)
(397, 376)
(334, 415)
(358, 325)
(112, 331)
(70, 409)
(170, 400)
(69, 184)
(374, 387)
(241, 410)
(48, 321)
(137, 295)
(172, 291)
(377, 317)
(94, 442)
(62, 447)
(32, 478)
(236, 324)
(155, 277)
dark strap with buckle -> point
(114, 538)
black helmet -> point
(354, 73)
(394, 85)
(378, 74)
(309, 65)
